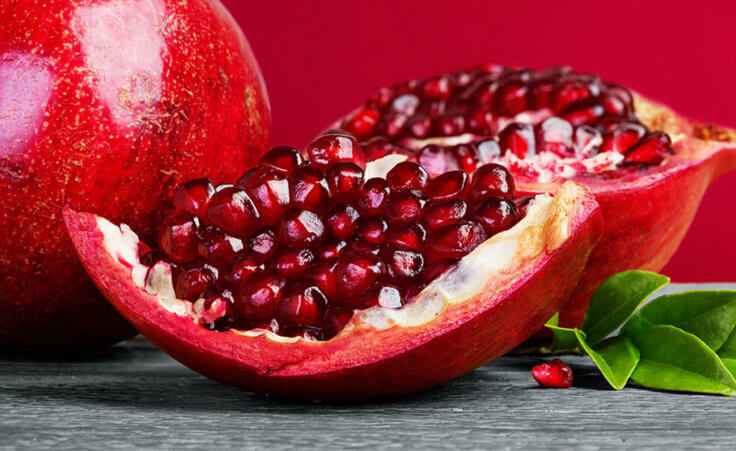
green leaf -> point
(564, 339)
(616, 299)
(615, 357)
(554, 321)
(710, 315)
(727, 352)
(672, 359)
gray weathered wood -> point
(133, 395)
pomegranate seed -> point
(392, 124)
(192, 278)
(300, 228)
(450, 185)
(309, 189)
(518, 138)
(355, 273)
(617, 91)
(465, 155)
(510, 99)
(291, 263)
(450, 124)
(372, 198)
(585, 113)
(623, 137)
(405, 104)
(379, 146)
(402, 265)
(382, 295)
(341, 221)
(587, 141)
(217, 311)
(233, 211)
(381, 98)
(411, 235)
(570, 92)
(269, 190)
(322, 274)
(406, 176)
(438, 267)
(362, 124)
(652, 149)
(216, 247)
(372, 230)
(555, 135)
(331, 148)
(435, 161)
(488, 149)
(522, 205)
(456, 240)
(419, 126)
(302, 305)
(331, 249)
(177, 237)
(193, 196)
(362, 246)
(436, 88)
(481, 121)
(257, 298)
(411, 292)
(152, 257)
(554, 374)
(440, 214)
(336, 319)
(282, 159)
(242, 266)
(344, 180)
(496, 214)
(406, 206)
(263, 243)
(491, 180)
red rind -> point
(361, 362)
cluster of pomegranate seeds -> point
(299, 243)
(498, 110)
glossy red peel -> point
(459, 322)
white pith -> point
(545, 228)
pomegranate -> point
(106, 106)
(351, 290)
(638, 158)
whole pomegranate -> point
(106, 106)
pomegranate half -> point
(106, 105)
(646, 166)
(473, 310)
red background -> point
(321, 58)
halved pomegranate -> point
(342, 280)
(646, 166)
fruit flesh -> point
(517, 280)
(105, 106)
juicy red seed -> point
(402, 265)
(496, 215)
(355, 273)
(541, 95)
(438, 267)
(344, 180)
(481, 121)
(372, 230)
(362, 247)
(291, 263)
(336, 319)
(217, 311)
(216, 247)
(511, 99)
(405, 104)
(193, 196)
(488, 149)
(554, 374)
(269, 190)
(362, 123)
(386, 296)
(322, 274)
(407, 176)
(192, 278)
(411, 235)
(455, 241)
(381, 98)
(555, 135)
(491, 180)
(436, 88)
(518, 138)
(522, 205)
(587, 141)
(378, 147)
(258, 297)
(309, 189)
(450, 124)
(434, 159)
(450, 185)
(300, 228)
(392, 124)
(411, 292)
(432, 109)
(331, 148)
(419, 126)
(405, 206)
(240, 268)
(264, 242)
(342, 221)
(585, 113)
(652, 149)
(568, 93)
(466, 156)
(623, 137)
(283, 159)
(302, 305)
(331, 249)
(233, 211)
(440, 214)
(150, 258)
(372, 198)
(177, 238)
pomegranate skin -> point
(366, 361)
(106, 106)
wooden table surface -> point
(135, 396)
